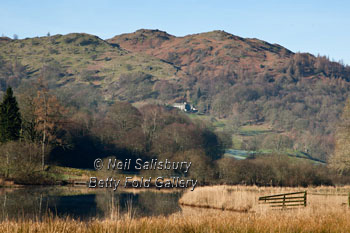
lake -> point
(84, 204)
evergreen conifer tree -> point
(10, 118)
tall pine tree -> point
(10, 118)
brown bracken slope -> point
(213, 54)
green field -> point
(247, 132)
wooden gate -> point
(285, 200)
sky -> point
(314, 26)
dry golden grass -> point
(220, 197)
(324, 213)
(245, 198)
(203, 221)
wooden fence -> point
(285, 200)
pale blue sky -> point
(308, 26)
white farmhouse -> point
(186, 107)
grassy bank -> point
(52, 175)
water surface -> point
(81, 203)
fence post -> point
(305, 198)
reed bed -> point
(245, 198)
(204, 221)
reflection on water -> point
(36, 202)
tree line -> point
(38, 131)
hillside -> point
(249, 81)
(244, 81)
(75, 62)
(214, 54)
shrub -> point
(21, 159)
